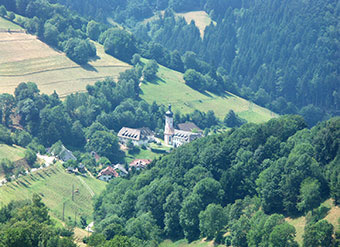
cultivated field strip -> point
(25, 58)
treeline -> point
(28, 224)
(241, 182)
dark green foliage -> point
(318, 234)
(150, 69)
(29, 225)
(3, 11)
(30, 157)
(5, 135)
(232, 120)
(119, 43)
(79, 50)
(105, 144)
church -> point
(186, 133)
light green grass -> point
(12, 153)
(171, 89)
(7, 24)
(142, 154)
(54, 185)
(184, 243)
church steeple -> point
(169, 127)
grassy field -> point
(184, 243)
(7, 24)
(55, 185)
(25, 58)
(171, 89)
(201, 18)
(12, 153)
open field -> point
(171, 89)
(184, 243)
(201, 18)
(12, 153)
(25, 58)
(7, 24)
(54, 185)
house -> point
(137, 136)
(139, 164)
(107, 174)
(186, 133)
(61, 152)
(190, 127)
(120, 169)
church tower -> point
(169, 127)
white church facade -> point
(176, 137)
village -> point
(129, 138)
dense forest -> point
(279, 54)
(243, 182)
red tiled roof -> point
(108, 171)
(140, 162)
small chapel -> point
(185, 133)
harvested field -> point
(25, 58)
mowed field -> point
(55, 185)
(170, 88)
(25, 58)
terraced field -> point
(55, 186)
(25, 58)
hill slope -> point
(48, 68)
(54, 185)
(170, 88)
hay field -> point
(170, 88)
(25, 58)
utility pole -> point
(72, 192)
(64, 210)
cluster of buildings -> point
(119, 170)
(185, 133)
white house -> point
(137, 136)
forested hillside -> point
(280, 54)
(236, 182)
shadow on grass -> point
(156, 80)
(88, 67)
(40, 175)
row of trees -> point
(237, 182)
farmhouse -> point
(186, 133)
(61, 152)
(139, 164)
(137, 136)
(107, 174)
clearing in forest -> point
(201, 18)
(25, 58)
